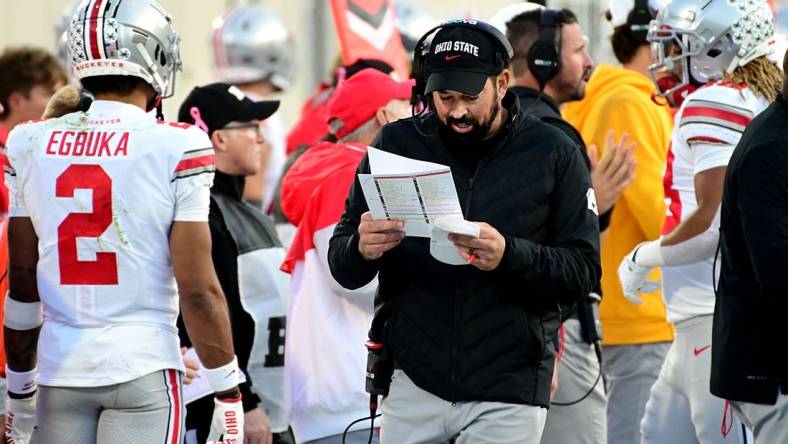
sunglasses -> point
(250, 125)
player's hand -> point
(611, 174)
(191, 367)
(20, 419)
(227, 424)
(634, 278)
(257, 429)
(376, 237)
(484, 252)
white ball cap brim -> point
(500, 18)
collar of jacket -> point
(531, 99)
(232, 186)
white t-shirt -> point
(708, 127)
(102, 189)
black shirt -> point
(547, 109)
(749, 351)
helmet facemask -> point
(138, 40)
(695, 42)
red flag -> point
(368, 29)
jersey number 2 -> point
(104, 270)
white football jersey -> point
(102, 189)
(708, 127)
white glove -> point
(634, 277)
(20, 419)
(227, 424)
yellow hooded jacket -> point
(620, 99)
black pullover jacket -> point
(458, 332)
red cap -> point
(356, 100)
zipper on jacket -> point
(458, 306)
(453, 363)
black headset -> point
(639, 19)
(544, 57)
(421, 68)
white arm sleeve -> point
(696, 249)
(193, 198)
(708, 156)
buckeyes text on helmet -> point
(250, 44)
(127, 38)
(698, 41)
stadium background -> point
(34, 22)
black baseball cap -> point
(218, 104)
(461, 59)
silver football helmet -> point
(128, 38)
(251, 43)
(413, 21)
(697, 41)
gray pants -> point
(357, 437)
(412, 415)
(145, 410)
(578, 370)
(767, 422)
(630, 371)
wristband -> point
(22, 316)
(225, 377)
(21, 383)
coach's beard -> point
(479, 130)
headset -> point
(544, 56)
(639, 19)
(421, 68)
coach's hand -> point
(257, 429)
(227, 424)
(611, 174)
(20, 419)
(484, 252)
(376, 237)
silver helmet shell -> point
(413, 21)
(128, 38)
(251, 43)
(701, 40)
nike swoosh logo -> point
(448, 58)
(698, 351)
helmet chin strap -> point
(155, 103)
(673, 91)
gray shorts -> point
(148, 409)
(767, 422)
(630, 371)
(578, 371)
(414, 416)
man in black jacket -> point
(246, 254)
(578, 414)
(748, 351)
(473, 345)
